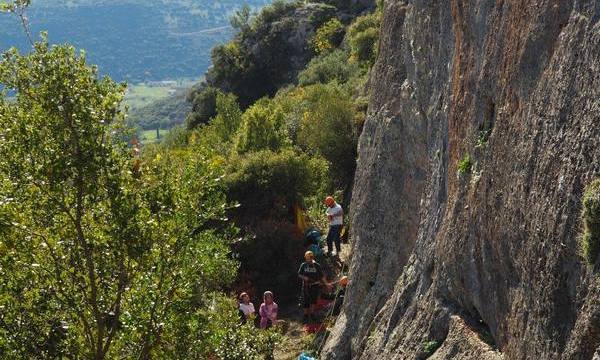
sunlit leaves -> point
(100, 251)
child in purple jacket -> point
(268, 311)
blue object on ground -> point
(305, 356)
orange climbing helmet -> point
(329, 201)
(344, 281)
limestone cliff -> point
(483, 130)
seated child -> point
(268, 311)
(246, 307)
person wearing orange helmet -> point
(335, 215)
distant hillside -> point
(134, 40)
(164, 113)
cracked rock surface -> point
(483, 261)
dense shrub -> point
(176, 138)
(102, 254)
(258, 180)
(328, 128)
(591, 223)
(261, 128)
(363, 37)
(465, 165)
(270, 255)
(333, 66)
(227, 340)
(228, 118)
(328, 36)
(204, 106)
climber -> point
(246, 308)
(335, 215)
(338, 295)
(312, 278)
(268, 311)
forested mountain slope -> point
(134, 40)
(482, 134)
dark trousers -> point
(333, 236)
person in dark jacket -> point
(312, 278)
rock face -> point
(483, 261)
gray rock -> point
(516, 86)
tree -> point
(204, 106)
(101, 253)
(328, 36)
(262, 128)
(241, 19)
(229, 117)
(327, 128)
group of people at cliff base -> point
(267, 310)
(312, 276)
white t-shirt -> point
(247, 309)
(337, 214)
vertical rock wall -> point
(484, 262)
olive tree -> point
(102, 254)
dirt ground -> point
(295, 339)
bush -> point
(591, 223)
(204, 106)
(328, 36)
(270, 255)
(333, 66)
(228, 118)
(261, 179)
(229, 341)
(262, 128)
(176, 138)
(363, 37)
(465, 165)
(327, 128)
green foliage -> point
(328, 36)
(333, 66)
(234, 342)
(204, 106)
(260, 179)
(102, 255)
(13, 6)
(465, 165)
(176, 138)
(430, 347)
(270, 253)
(252, 66)
(261, 128)
(483, 138)
(229, 117)
(241, 19)
(162, 113)
(327, 128)
(363, 37)
(590, 243)
(267, 184)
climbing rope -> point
(344, 272)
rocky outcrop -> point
(483, 130)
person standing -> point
(268, 311)
(335, 215)
(312, 278)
